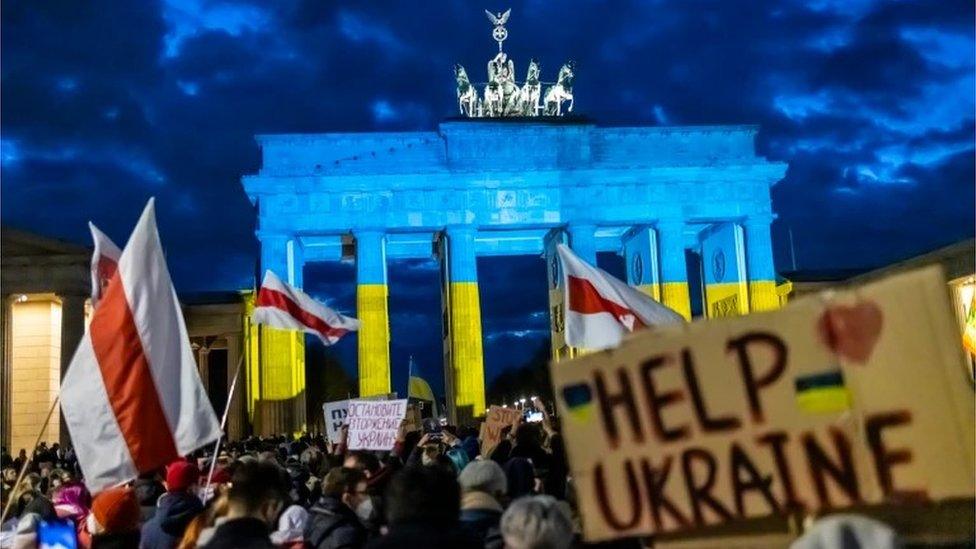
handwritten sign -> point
(861, 397)
(496, 419)
(335, 417)
(373, 424)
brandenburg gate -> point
(512, 175)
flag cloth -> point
(281, 305)
(600, 309)
(132, 397)
(417, 387)
(969, 332)
(104, 262)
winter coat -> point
(333, 525)
(174, 512)
(241, 533)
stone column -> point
(674, 270)
(372, 295)
(467, 353)
(5, 372)
(72, 330)
(641, 262)
(279, 367)
(557, 308)
(760, 267)
(237, 406)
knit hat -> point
(116, 510)
(220, 476)
(180, 475)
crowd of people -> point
(433, 489)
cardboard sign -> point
(373, 424)
(335, 417)
(859, 397)
(496, 419)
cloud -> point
(106, 103)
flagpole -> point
(223, 420)
(23, 468)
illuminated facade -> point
(479, 187)
(45, 286)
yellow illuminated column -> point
(759, 264)
(467, 353)
(374, 317)
(674, 272)
(276, 358)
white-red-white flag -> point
(600, 309)
(132, 397)
(281, 305)
(104, 262)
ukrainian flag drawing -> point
(822, 393)
(579, 401)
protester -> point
(537, 522)
(202, 527)
(521, 477)
(114, 520)
(25, 536)
(483, 485)
(257, 494)
(148, 490)
(72, 502)
(175, 509)
(422, 509)
(291, 528)
(334, 520)
(848, 531)
(430, 490)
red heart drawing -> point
(851, 331)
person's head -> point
(10, 475)
(55, 479)
(483, 476)
(291, 526)
(431, 453)
(423, 494)
(536, 522)
(114, 511)
(32, 481)
(258, 490)
(347, 485)
(181, 476)
(528, 435)
(521, 477)
(22, 454)
(312, 459)
(367, 462)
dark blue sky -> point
(107, 103)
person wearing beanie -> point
(114, 519)
(483, 486)
(175, 509)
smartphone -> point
(56, 534)
(432, 426)
(533, 417)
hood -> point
(175, 512)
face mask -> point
(365, 510)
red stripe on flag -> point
(128, 381)
(268, 297)
(585, 299)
